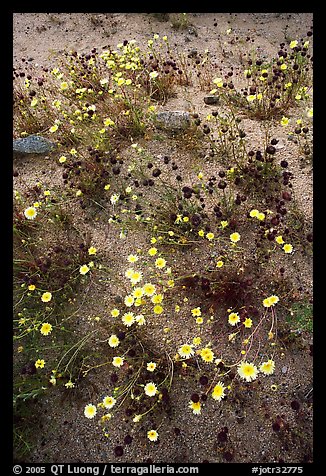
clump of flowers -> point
(273, 86)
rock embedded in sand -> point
(173, 120)
(211, 100)
(32, 144)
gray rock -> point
(32, 145)
(211, 100)
(118, 299)
(173, 120)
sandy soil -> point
(65, 435)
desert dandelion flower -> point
(136, 277)
(117, 361)
(114, 341)
(139, 301)
(285, 121)
(235, 237)
(248, 323)
(160, 263)
(109, 402)
(254, 213)
(140, 319)
(108, 122)
(218, 391)
(186, 351)
(218, 82)
(158, 309)
(270, 301)
(251, 97)
(268, 367)
(53, 128)
(196, 311)
(84, 269)
(151, 366)
(207, 354)
(247, 371)
(157, 298)
(234, 318)
(90, 411)
(274, 299)
(114, 198)
(46, 297)
(150, 389)
(210, 236)
(267, 302)
(149, 289)
(196, 341)
(152, 435)
(138, 293)
(46, 329)
(152, 251)
(288, 248)
(128, 319)
(129, 300)
(195, 407)
(30, 213)
(129, 272)
(40, 363)
(132, 258)
(279, 240)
